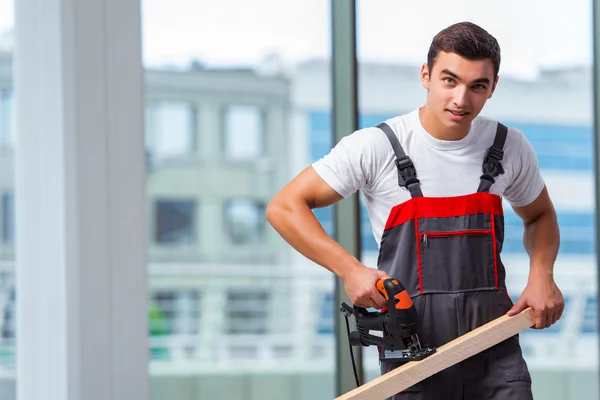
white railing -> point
(198, 333)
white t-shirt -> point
(364, 160)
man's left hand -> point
(544, 297)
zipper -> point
(425, 235)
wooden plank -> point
(447, 355)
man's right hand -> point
(360, 285)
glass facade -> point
(548, 98)
(233, 308)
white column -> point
(80, 201)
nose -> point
(460, 96)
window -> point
(589, 323)
(7, 137)
(7, 217)
(247, 312)
(7, 315)
(175, 222)
(245, 221)
(577, 232)
(325, 324)
(244, 132)
(172, 126)
(174, 312)
(8, 326)
(173, 318)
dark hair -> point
(467, 40)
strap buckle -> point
(491, 163)
(495, 153)
(407, 173)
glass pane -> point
(545, 90)
(247, 312)
(245, 221)
(244, 132)
(175, 221)
(231, 102)
(6, 119)
(8, 218)
(171, 130)
(8, 332)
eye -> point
(449, 81)
(479, 86)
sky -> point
(6, 14)
(533, 34)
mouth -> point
(457, 115)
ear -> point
(494, 87)
(425, 76)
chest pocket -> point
(457, 254)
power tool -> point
(394, 328)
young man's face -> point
(457, 88)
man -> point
(433, 182)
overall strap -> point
(407, 173)
(491, 163)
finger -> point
(546, 319)
(549, 318)
(381, 274)
(517, 307)
(554, 316)
(540, 320)
(379, 300)
(361, 300)
(368, 303)
(555, 313)
(558, 313)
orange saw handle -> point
(395, 293)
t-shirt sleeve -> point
(349, 166)
(527, 182)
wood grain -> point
(447, 355)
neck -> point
(435, 128)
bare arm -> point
(541, 237)
(541, 240)
(290, 213)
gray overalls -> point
(446, 252)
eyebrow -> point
(452, 74)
